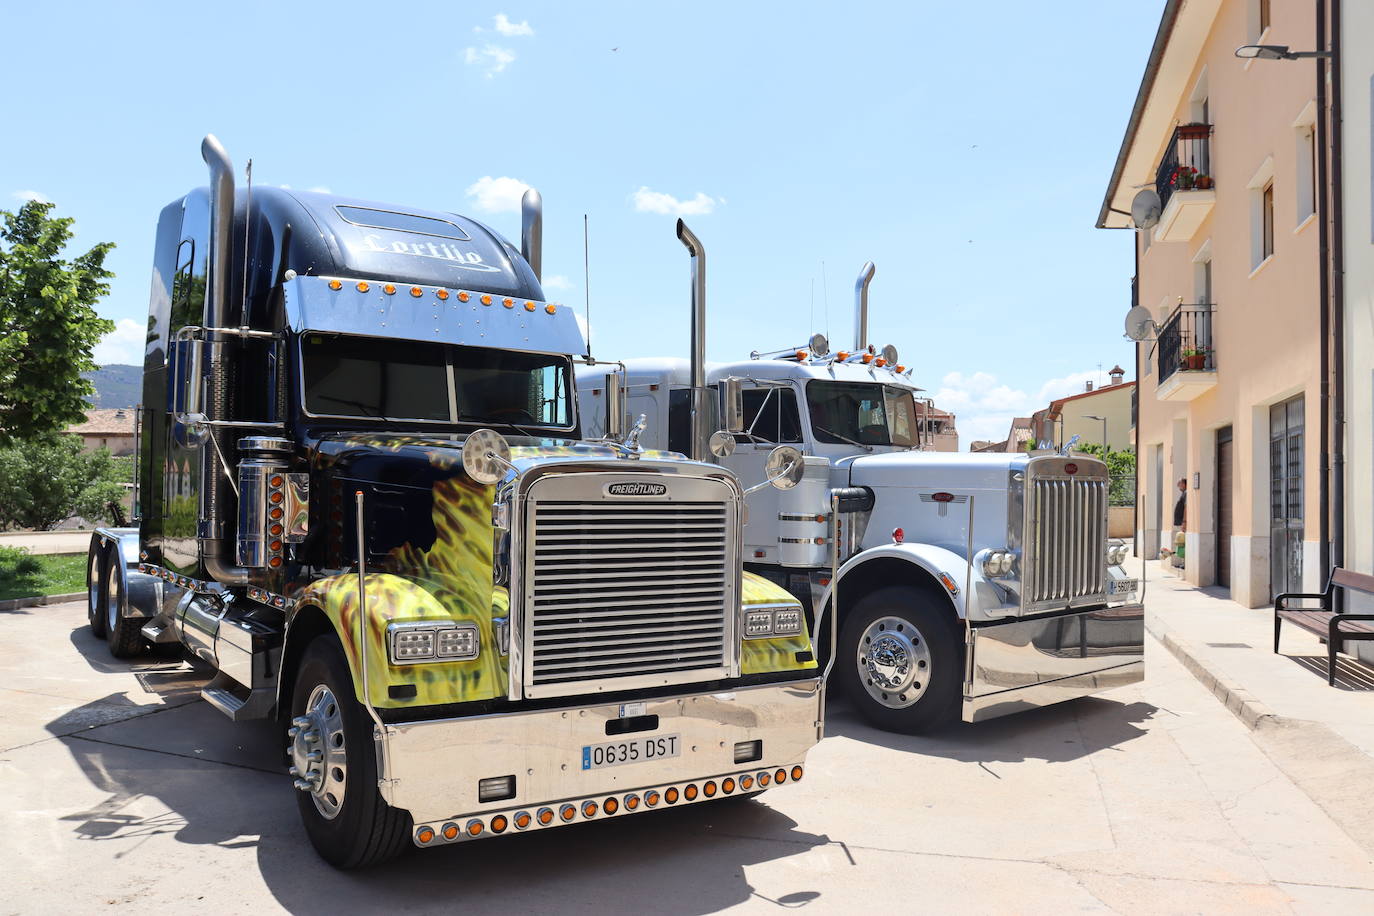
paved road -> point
(122, 789)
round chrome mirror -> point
(486, 454)
(784, 467)
(819, 345)
(722, 444)
(890, 354)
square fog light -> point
(787, 622)
(410, 644)
(458, 642)
(758, 623)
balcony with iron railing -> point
(1184, 183)
(1187, 353)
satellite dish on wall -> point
(1145, 209)
(1139, 325)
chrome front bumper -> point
(1022, 664)
(432, 769)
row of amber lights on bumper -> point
(443, 294)
(567, 812)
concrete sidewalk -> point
(1322, 737)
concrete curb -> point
(1234, 697)
(14, 604)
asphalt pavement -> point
(123, 790)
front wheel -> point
(900, 659)
(335, 765)
(122, 634)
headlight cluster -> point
(1117, 553)
(429, 641)
(998, 564)
(765, 622)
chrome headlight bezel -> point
(997, 563)
(1117, 551)
(770, 621)
(466, 635)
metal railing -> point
(1187, 162)
(1185, 341)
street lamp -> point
(1089, 416)
(1275, 52)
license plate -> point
(1121, 586)
(631, 750)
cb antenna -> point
(247, 241)
(587, 283)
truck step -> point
(236, 701)
(157, 632)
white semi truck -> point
(969, 585)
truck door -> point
(771, 418)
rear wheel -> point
(95, 588)
(335, 765)
(121, 632)
(900, 659)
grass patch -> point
(23, 575)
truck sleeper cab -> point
(968, 586)
(364, 501)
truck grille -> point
(627, 589)
(1066, 537)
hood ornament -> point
(631, 443)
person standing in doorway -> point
(1180, 521)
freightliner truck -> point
(970, 586)
(365, 503)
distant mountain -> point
(116, 386)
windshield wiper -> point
(473, 418)
(831, 432)
(366, 410)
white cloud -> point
(512, 29)
(985, 406)
(321, 189)
(124, 345)
(25, 196)
(556, 282)
(497, 195)
(647, 201)
(490, 59)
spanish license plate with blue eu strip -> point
(631, 750)
(1121, 586)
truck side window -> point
(775, 418)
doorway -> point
(1285, 496)
(1223, 506)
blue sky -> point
(963, 147)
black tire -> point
(96, 570)
(122, 634)
(919, 647)
(364, 830)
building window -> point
(1305, 174)
(1267, 217)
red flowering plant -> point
(1183, 177)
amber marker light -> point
(796, 773)
(499, 824)
(900, 369)
(276, 480)
(551, 309)
(867, 358)
(275, 513)
(632, 802)
(880, 362)
(362, 286)
(842, 356)
(650, 799)
(486, 300)
(610, 806)
(801, 355)
(546, 816)
(274, 498)
(426, 835)
(508, 302)
(274, 562)
(335, 285)
(389, 289)
(523, 820)
(450, 831)
(441, 293)
(670, 796)
(568, 812)
(690, 793)
(727, 785)
(746, 783)
(275, 530)
(529, 306)
(709, 790)
(589, 809)
(780, 776)
(416, 292)
(463, 297)
(764, 779)
(274, 546)
(474, 827)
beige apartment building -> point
(1229, 384)
(1097, 416)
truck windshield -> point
(434, 383)
(868, 414)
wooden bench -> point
(1335, 628)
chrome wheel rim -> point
(93, 586)
(894, 662)
(319, 754)
(112, 601)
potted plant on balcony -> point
(1195, 358)
(1183, 177)
(1202, 181)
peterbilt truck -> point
(969, 585)
(366, 505)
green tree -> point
(1120, 470)
(49, 478)
(48, 323)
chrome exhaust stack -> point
(532, 231)
(215, 495)
(861, 305)
(701, 429)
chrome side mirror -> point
(186, 382)
(486, 456)
(732, 391)
(784, 467)
(722, 443)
